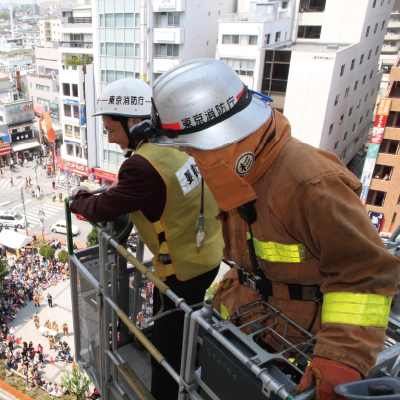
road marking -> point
(53, 207)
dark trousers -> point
(50, 302)
(168, 331)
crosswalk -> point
(32, 214)
(18, 183)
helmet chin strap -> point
(124, 122)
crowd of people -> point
(28, 277)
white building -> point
(31, 38)
(322, 71)
(135, 39)
(50, 31)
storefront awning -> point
(5, 150)
(109, 176)
(29, 144)
(13, 239)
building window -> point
(367, 33)
(74, 90)
(129, 20)
(341, 119)
(376, 50)
(67, 110)
(358, 104)
(355, 85)
(277, 37)
(345, 137)
(366, 97)
(119, 49)
(360, 120)
(373, 90)
(361, 59)
(267, 39)
(110, 50)
(119, 20)
(174, 19)
(364, 78)
(354, 128)
(369, 54)
(376, 28)
(374, 4)
(352, 64)
(137, 20)
(109, 18)
(129, 50)
(383, 25)
(110, 76)
(342, 69)
(242, 67)
(66, 89)
(350, 111)
(336, 99)
(172, 50)
(44, 88)
(336, 145)
(230, 39)
(309, 32)
(347, 92)
(331, 129)
(76, 112)
(43, 101)
(253, 40)
(367, 113)
(70, 149)
(119, 75)
(370, 75)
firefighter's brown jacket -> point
(307, 196)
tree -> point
(3, 269)
(93, 238)
(63, 256)
(47, 251)
(76, 382)
(4, 15)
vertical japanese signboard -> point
(373, 148)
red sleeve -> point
(140, 187)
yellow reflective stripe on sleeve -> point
(158, 227)
(224, 311)
(356, 309)
(164, 248)
(277, 252)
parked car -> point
(12, 218)
(61, 227)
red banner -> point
(99, 173)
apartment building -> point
(30, 37)
(50, 30)
(135, 39)
(383, 197)
(76, 50)
(43, 83)
(322, 71)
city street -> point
(10, 198)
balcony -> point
(164, 63)
(393, 24)
(246, 17)
(392, 36)
(169, 34)
(394, 74)
(79, 45)
(79, 20)
(389, 49)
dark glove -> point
(325, 375)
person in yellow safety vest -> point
(292, 219)
(163, 192)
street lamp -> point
(41, 216)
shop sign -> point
(82, 120)
(71, 142)
(54, 111)
(98, 173)
(77, 167)
(77, 134)
(72, 102)
(164, 4)
(69, 131)
(18, 112)
(4, 141)
(377, 219)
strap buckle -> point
(247, 279)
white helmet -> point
(204, 104)
(127, 97)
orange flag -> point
(46, 126)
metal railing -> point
(228, 346)
(81, 45)
(79, 20)
(246, 17)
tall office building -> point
(318, 60)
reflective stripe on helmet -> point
(356, 309)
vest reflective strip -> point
(158, 227)
(277, 252)
(356, 309)
(164, 248)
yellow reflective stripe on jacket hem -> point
(277, 252)
(158, 227)
(356, 309)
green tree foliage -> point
(76, 382)
(3, 269)
(93, 238)
(63, 256)
(47, 251)
(4, 15)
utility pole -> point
(23, 203)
